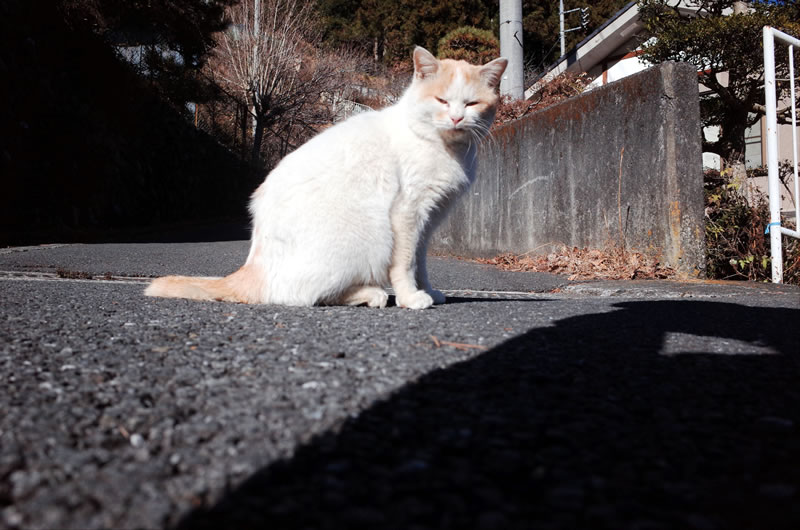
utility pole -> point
(561, 26)
(512, 82)
(562, 32)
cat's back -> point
(365, 133)
(339, 155)
(353, 156)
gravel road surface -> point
(526, 401)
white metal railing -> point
(775, 229)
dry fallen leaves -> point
(611, 263)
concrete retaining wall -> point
(629, 152)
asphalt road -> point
(526, 401)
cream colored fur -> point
(350, 212)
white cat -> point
(351, 211)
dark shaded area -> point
(580, 425)
(88, 148)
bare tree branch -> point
(271, 57)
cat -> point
(351, 210)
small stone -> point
(137, 440)
(23, 483)
(313, 414)
(12, 517)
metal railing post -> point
(770, 101)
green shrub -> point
(476, 46)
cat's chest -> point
(435, 169)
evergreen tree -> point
(389, 29)
(476, 46)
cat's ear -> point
(492, 72)
(425, 64)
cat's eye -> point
(442, 101)
(471, 103)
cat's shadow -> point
(452, 300)
(621, 419)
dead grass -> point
(610, 263)
(549, 93)
(72, 275)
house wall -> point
(628, 152)
(785, 153)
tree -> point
(389, 30)
(476, 46)
(178, 36)
(723, 41)
(271, 58)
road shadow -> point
(626, 419)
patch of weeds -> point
(736, 246)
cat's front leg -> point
(402, 272)
(422, 276)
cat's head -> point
(457, 99)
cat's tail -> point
(243, 286)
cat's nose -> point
(456, 119)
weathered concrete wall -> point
(628, 151)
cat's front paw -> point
(415, 300)
(438, 296)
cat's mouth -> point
(459, 131)
(459, 128)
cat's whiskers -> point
(482, 132)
